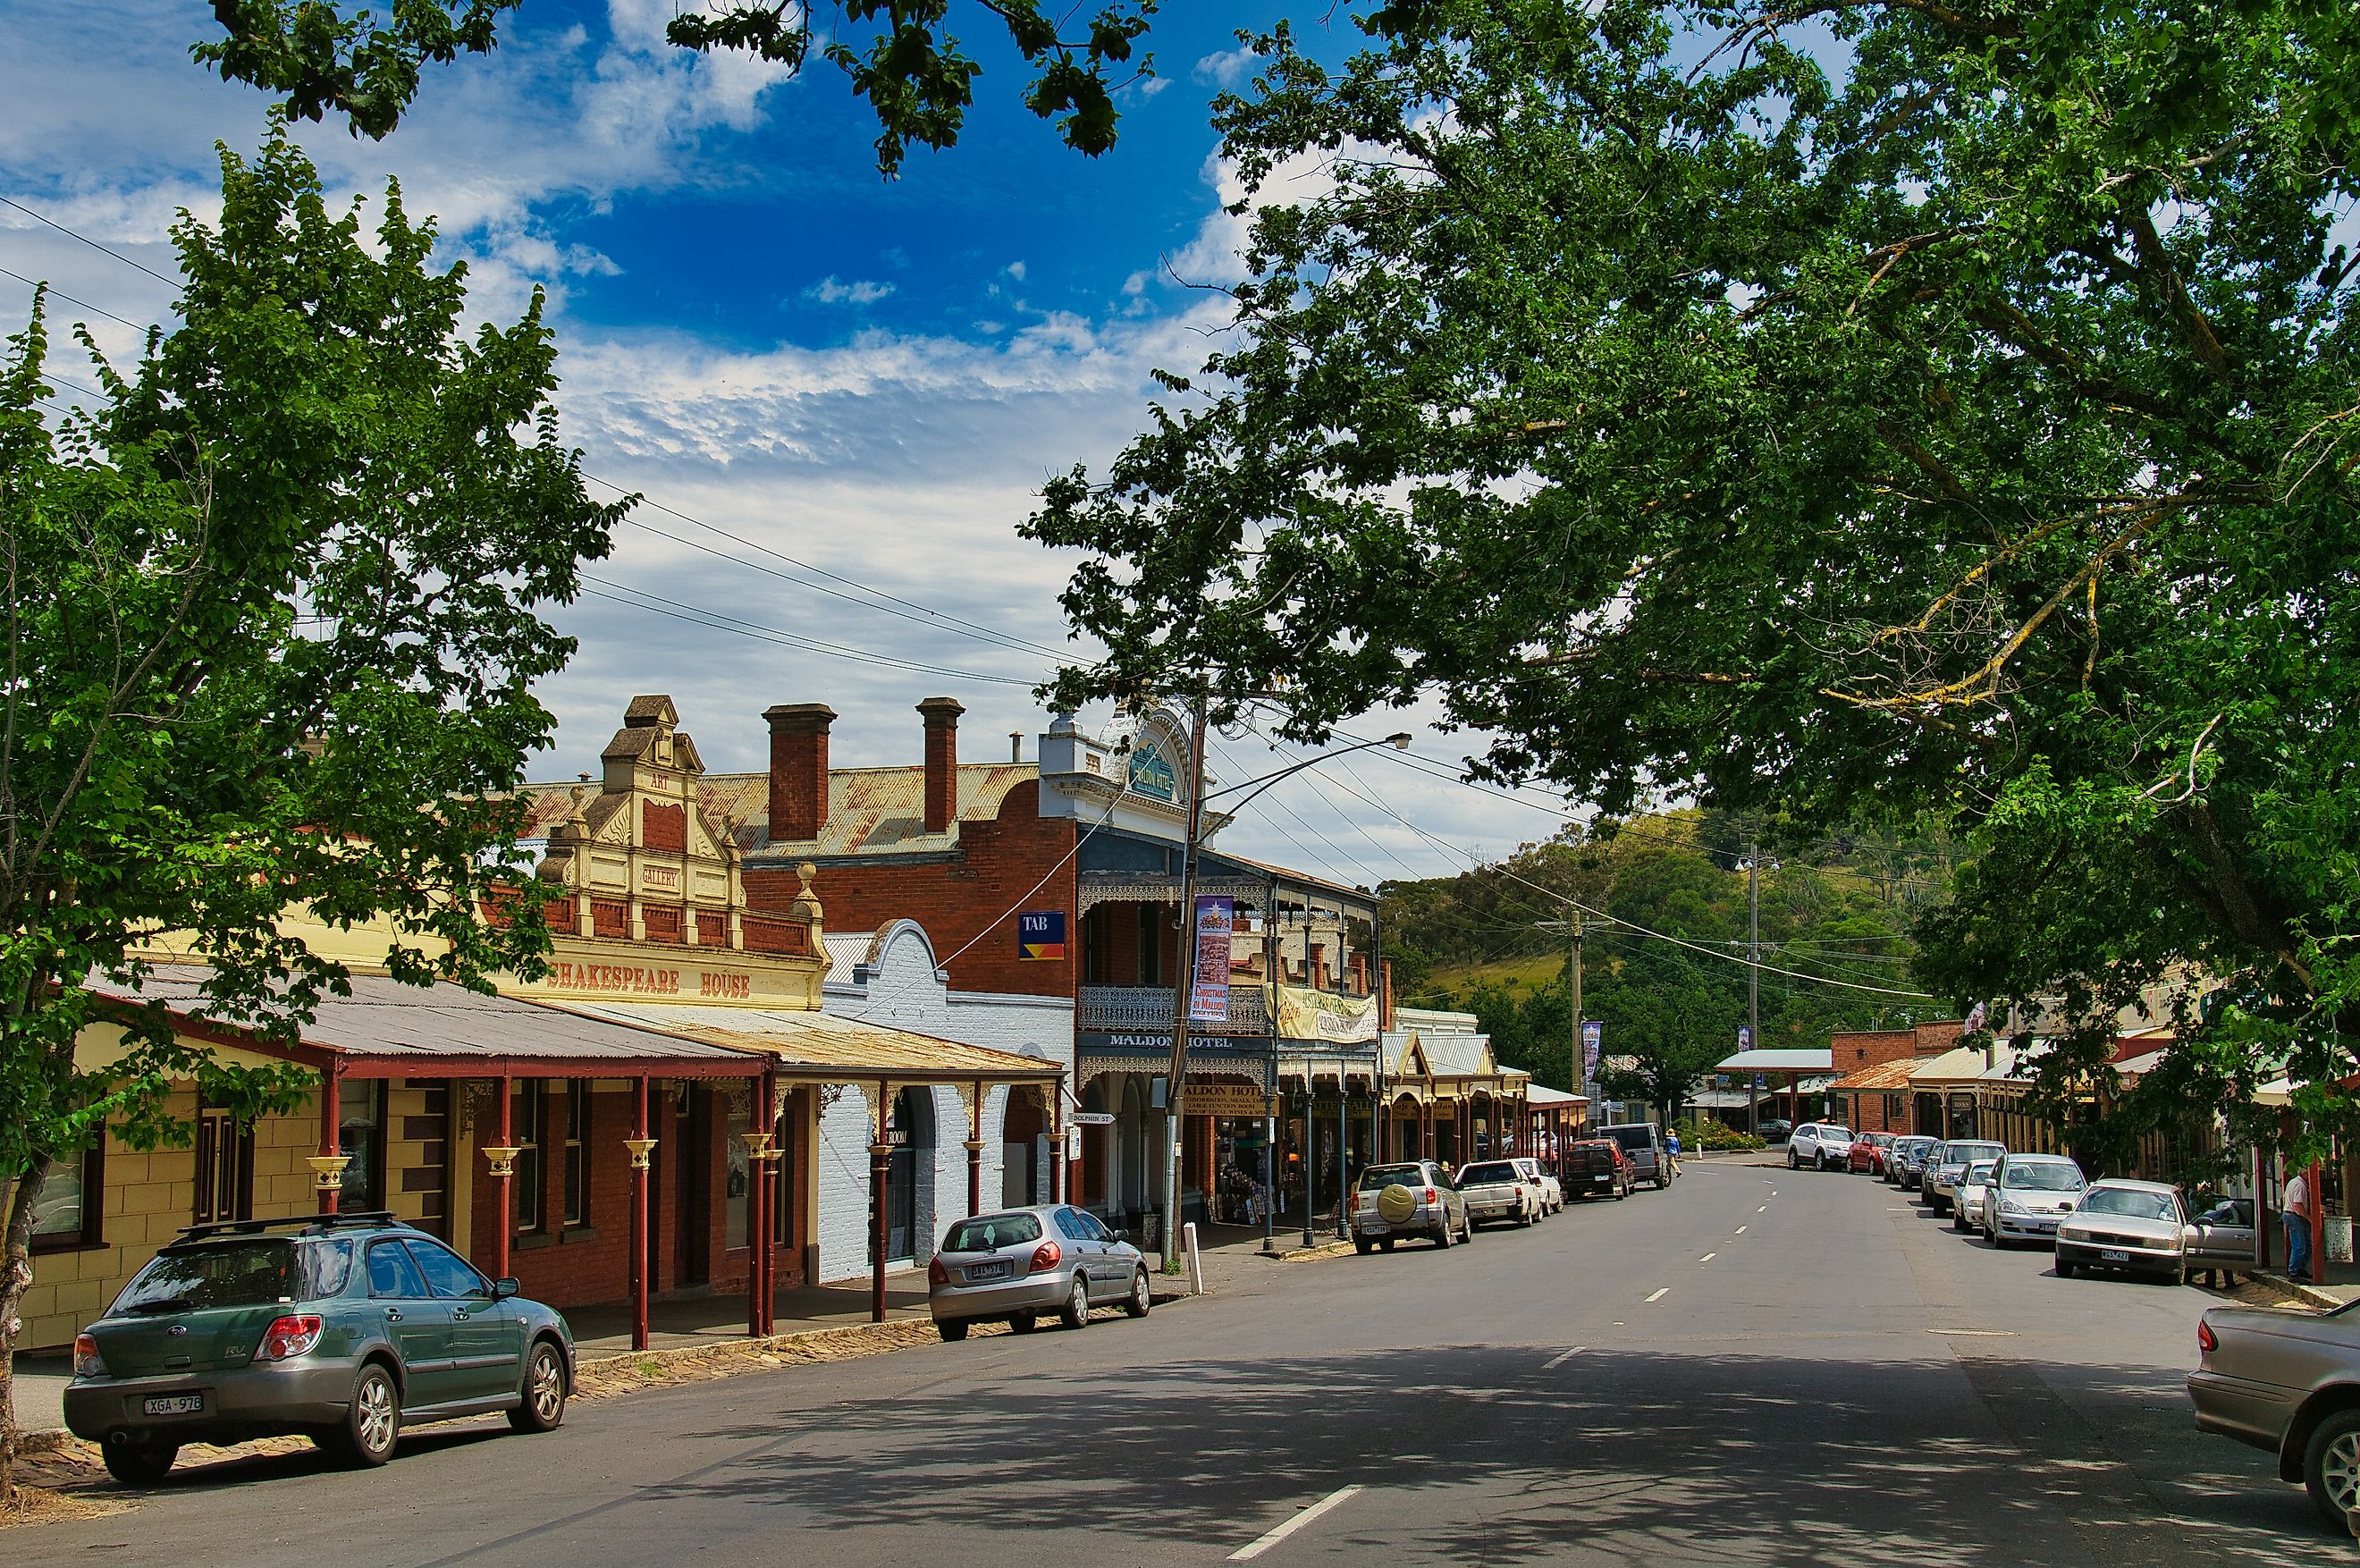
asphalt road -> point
(1753, 1367)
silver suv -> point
(1417, 1198)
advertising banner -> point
(1590, 1031)
(1744, 1037)
(1041, 934)
(1208, 998)
(1322, 1015)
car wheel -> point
(1959, 1221)
(543, 1404)
(1141, 1297)
(1662, 1181)
(1442, 1236)
(2331, 1467)
(1361, 1245)
(1523, 1218)
(372, 1421)
(1023, 1323)
(2065, 1267)
(1075, 1314)
(1387, 1243)
(140, 1463)
(953, 1330)
(1793, 1162)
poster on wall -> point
(1208, 997)
(1041, 935)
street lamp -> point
(1176, 1080)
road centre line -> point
(1561, 1357)
(1255, 1548)
(1661, 1294)
(1739, 1231)
(1709, 1257)
(1764, 1210)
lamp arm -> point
(1255, 786)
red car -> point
(1868, 1152)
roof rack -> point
(321, 1221)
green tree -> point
(273, 621)
(1970, 431)
(327, 56)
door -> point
(486, 1336)
(2225, 1233)
(1081, 1233)
(418, 1324)
(692, 1182)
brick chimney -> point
(942, 715)
(798, 768)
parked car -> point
(2224, 1240)
(1949, 1162)
(1868, 1152)
(1644, 1146)
(1413, 1199)
(1597, 1167)
(1822, 1146)
(2138, 1227)
(1967, 1213)
(340, 1328)
(1019, 1264)
(1498, 1189)
(1905, 1162)
(1776, 1130)
(1552, 1190)
(2287, 1383)
(2030, 1195)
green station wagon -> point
(342, 1328)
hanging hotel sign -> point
(1305, 1014)
(1208, 995)
(1041, 934)
(1152, 775)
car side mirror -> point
(504, 1289)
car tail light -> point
(88, 1363)
(1046, 1255)
(288, 1337)
(1429, 1194)
(2206, 1340)
(936, 1274)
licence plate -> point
(988, 1271)
(174, 1405)
(2114, 1254)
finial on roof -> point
(806, 905)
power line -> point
(56, 293)
(696, 615)
(118, 256)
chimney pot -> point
(798, 768)
(1016, 745)
(942, 717)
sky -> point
(794, 360)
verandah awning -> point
(821, 1047)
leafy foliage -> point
(326, 57)
(271, 626)
(1971, 429)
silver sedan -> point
(2288, 1383)
(1019, 1265)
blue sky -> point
(872, 378)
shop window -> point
(736, 1221)
(577, 1151)
(527, 1122)
(360, 1137)
(68, 1208)
(224, 1186)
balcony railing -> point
(1134, 1009)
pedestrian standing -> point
(2296, 1207)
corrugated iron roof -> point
(819, 1043)
(1886, 1074)
(1801, 1060)
(384, 1017)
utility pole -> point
(1174, 1125)
(1753, 946)
(1577, 1064)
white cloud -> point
(1015, 270)
(1227, 69)
(833, 290)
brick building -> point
(1875, 1064)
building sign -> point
(1041, 934)
(1324, 1016)
(685, 981)
(1223, 1100)
(1152, 775)
(1208, 993)
(1093, 1118)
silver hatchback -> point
(1019, 1264)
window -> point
(224, 1188)
(736, 1196)
(68, 1213)
(1070, 1224)
(577, 1151)
(448, 1275)
(393, 1273)
(360, 1137)
(1151, 944)
(526, 1124)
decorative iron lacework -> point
(1132, 887)
(1119, 1009)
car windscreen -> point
(991, 1231)
(2045, 1177)
(1967, 1153)
(1840, 1134)
(1476, 1174)
(243, 1273)
(1378, 1177)
(1638, 1140)
(2130, 1202)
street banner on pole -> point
(1744, 1037)
(1590, 1030)
(1324, 1015)
(1208, 997)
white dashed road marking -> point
(1563, 1357)
(1248, 1552)
(1709, 1257)
(1661, 1294)
(1739, 1231)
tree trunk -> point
(15, 1278)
